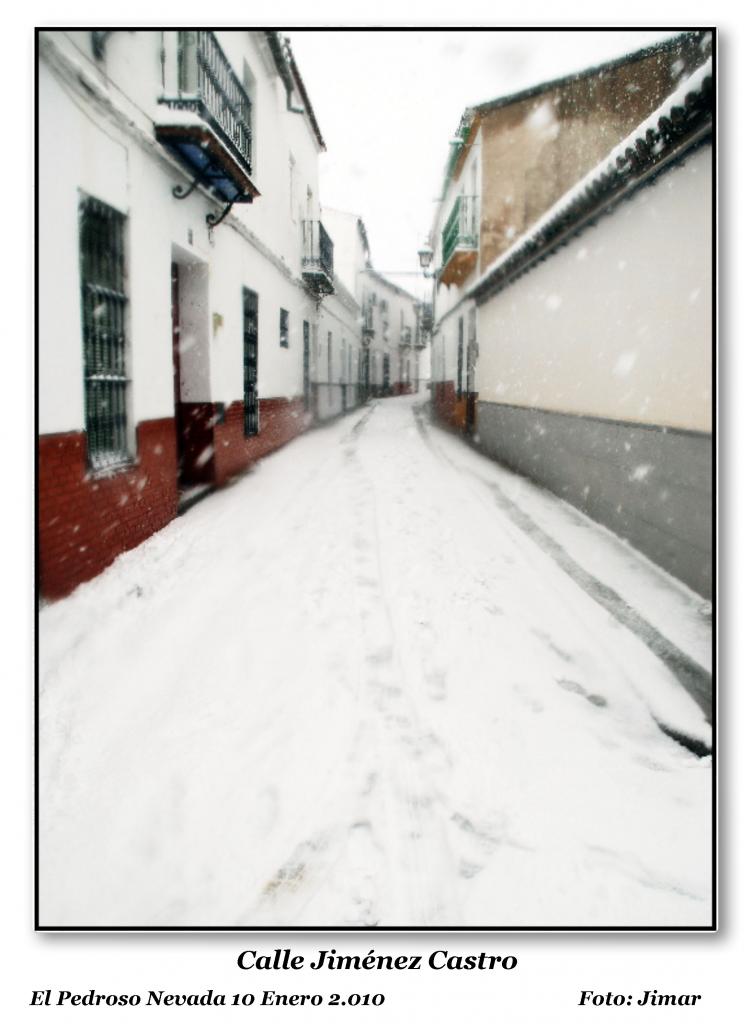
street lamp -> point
(425, 259)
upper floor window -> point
(103, 321)
(284, 328)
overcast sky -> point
(388, 104)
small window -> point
(329, 357)
(103, 322)
(284, 328)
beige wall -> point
(536, 149)
(618, 323)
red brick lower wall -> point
(195, 421)
(449, 409)
(280, 420)
(86, 521)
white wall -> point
(618, 323)
(339, 316)
(444, 363)
(387, 326)
(350, 256)
(94, 139)
(73, 153)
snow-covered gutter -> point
(682, 122)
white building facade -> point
(186, 280)
(392, 341)
(574, 332)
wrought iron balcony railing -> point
(317, 261)
(208, 86)
(461, 230)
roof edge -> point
(675, 129)
(662, 46)
(288, 70)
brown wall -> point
(448, 407)
(525, 168)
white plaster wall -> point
(336, 317)
(386, 339)
(74, 153)
(618, 323)
(83, 146)
(444, 362)
(235, 265)
(131, 73)
(280, 135)
(350, 257)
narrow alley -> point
(378, 681)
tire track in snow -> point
(417, 864)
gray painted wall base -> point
(651, 485)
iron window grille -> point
(250, 367)
(284, 328)
(103, 322)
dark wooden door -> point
(175, 307)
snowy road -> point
(360, 687)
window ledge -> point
(117, 466)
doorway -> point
(193, 410)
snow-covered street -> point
(379, 680)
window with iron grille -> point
(459, 379)
(103, 322)
(284, 328)
(250, 363)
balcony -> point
(208, 121)
(460, 241)
(317, 261)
